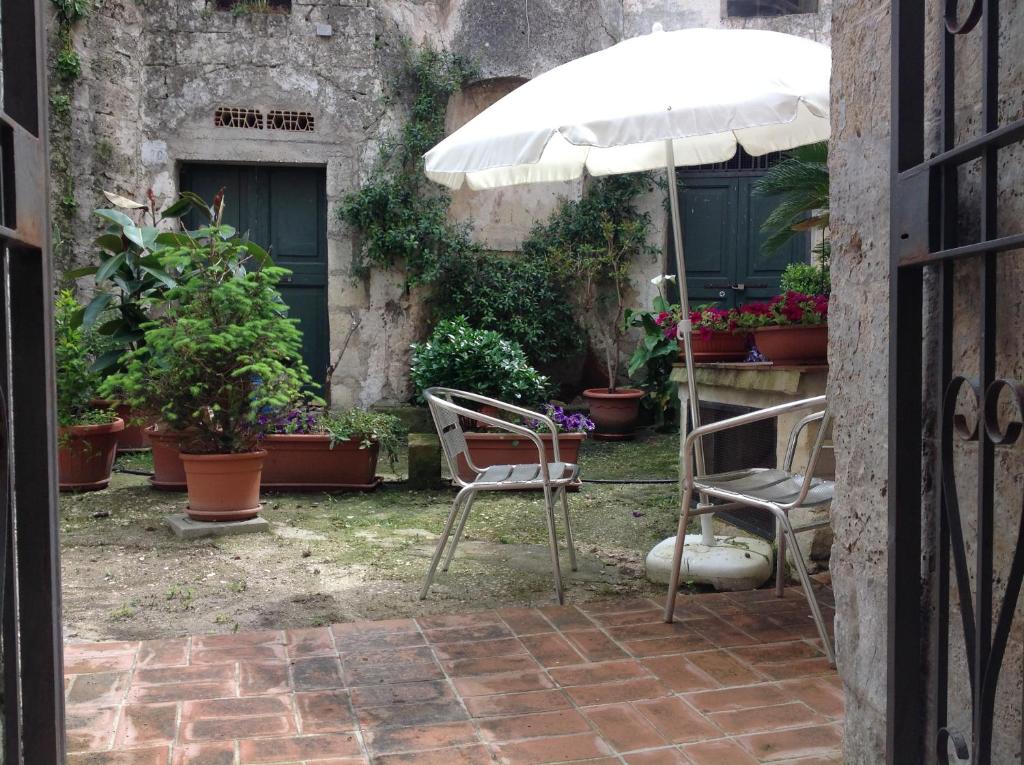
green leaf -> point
(179, 208)
(109, 266)
(160, 275)
(96, 307)
(134, 234)
(199, 204)
(257, 253)
(78, 273)
(106, 360)
(116, 216)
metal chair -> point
(550, 477)
(774, 490)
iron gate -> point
(33, 713)
(929, 434)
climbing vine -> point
(65, 69)
(399, 215)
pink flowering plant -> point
(707, 319)
(788, 309)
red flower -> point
(662, 317)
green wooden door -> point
(283, 209)
(722, 240)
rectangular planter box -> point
(488, 449)
(308, 463)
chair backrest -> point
(824, 420)
(449, 429)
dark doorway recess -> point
(284, 210)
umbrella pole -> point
(686, 330)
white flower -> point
(657, 281)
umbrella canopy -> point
(708, 90)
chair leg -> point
(549, 508)
(445, 533)
(458, 531)
(677, 555)
(812, 600)
(568, 529)
(780, 559)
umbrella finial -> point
(657, 27)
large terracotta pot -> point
(133, 438)
(794, 344)
(223, 487)
(168, 472)
(718, 346)
(298, 462)
(86, 455)
(486, 449)
(614, 413)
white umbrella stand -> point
(663, 100)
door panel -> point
(757, 271)
(284, 210)
(709, 239)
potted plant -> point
(87, 438)
(716, 335)
(311, 449)
(657, 350)
(222, 353)
(131, 281)
(791, 329)
(497, 448)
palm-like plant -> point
(802, 182)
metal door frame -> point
(925, 202)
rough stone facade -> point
(154, 72)
(858, 357)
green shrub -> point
(76, 382)
(524, 298)
(806, 278)
(478, 361)
(359, 424)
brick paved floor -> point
(739, 679)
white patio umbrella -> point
(663, 100)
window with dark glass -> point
(750, 8)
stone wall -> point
(858, 357)
(154, 72)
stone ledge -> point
(789, 380)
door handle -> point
(737, 287)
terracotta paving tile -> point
(449, 621)
(722, 752)
(145, 724)
(86, 665)
(255, 706)
(608, 693)
(797, 668)
(819, 693)
(380, 640)
(668, 645)
(517, 703)
(259, 751)
(756, 719)
(679, 674)
(541, 751)
(525, 621)
(676, 720)
(325, 712)
(100, 689)
(650, 631)
(401, 693)
(499, 729)
(515, 682)
(371, 657)
(163, 653)
(400, 715)
(387, 673)
(723, 633)
(316, 674)
(236, 640)
(479, 649)
(255, 678)
(260, 653)
(367, 627)
(155, 694)
(394, 740)
(618, 606)
(669, 756)
(316, 641)
(777, 652)
(625, 728)
(153, 755)
(820, 740)
(90, 729)
(215, 753)
(551, 650)
(463, 634)
(224, 728)
(594, 645)
(728, 699)
(725, 668)
(172, 675)
(649, 616)
(522, 662)
(567, 618)
(85, 650)
(605, 672)
(469, 755)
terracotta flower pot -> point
(486, 449)
(86, 455)
(614, 413)
(299, 462)
(794, 344)
(223, 487)
(718, 346)
(168, 472)
(133, 438)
